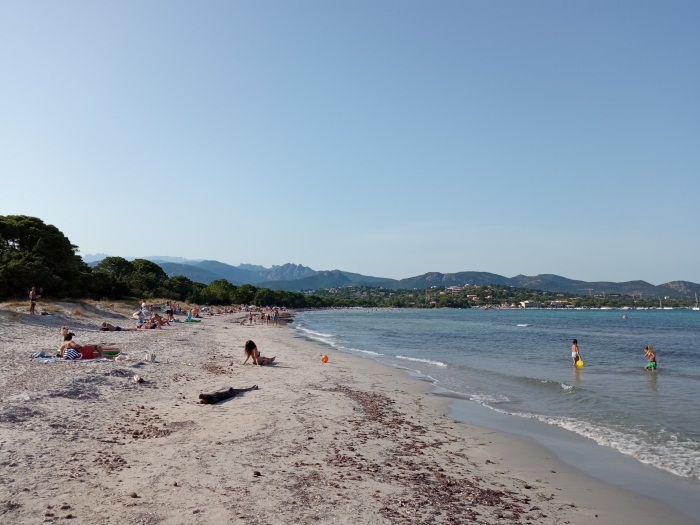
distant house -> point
(559, 304)
(530, 304)
(473, 297)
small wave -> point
(523, 325)
(369, 352)
(428, 361)
(566, 387)
(489, 398)
(319, 334)
(676, 457)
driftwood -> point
(217, 397)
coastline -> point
(349, 441)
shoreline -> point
(574, 452)
(349, 441)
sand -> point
(348, 441)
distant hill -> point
(328, 279)
(366, 280)
(298, 277)
(194, 273)
(451, 279)
(551, 283)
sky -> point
(388, 138)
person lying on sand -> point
(106, 327)
(252, 351)
(72, 350)
(149, 326)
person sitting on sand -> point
(251, 351)
(155, 318)
(106, 327)
(651, 356)
(71, 350)
(575, 355)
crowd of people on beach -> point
(148, 318)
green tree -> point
(244, 294)
(219, 292)
(147, 278)
(266, 297)
(111, 277)
(179, 287)
(33, 253)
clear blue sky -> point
(389, 138)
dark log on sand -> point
(217, 397)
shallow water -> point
(518, 362)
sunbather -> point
(72, 350)
(251, 351)
(106, 327)
(149, 326)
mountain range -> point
(296, 277)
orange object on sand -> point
(324, 358)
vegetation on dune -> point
(33, 253)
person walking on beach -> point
(651, 356)
(32, 300)
(575, 355)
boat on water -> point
(697, 306)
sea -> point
(518, 363)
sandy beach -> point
(348, 441)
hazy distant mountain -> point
(93, 257)
(97, 257)
(298, 277)
(194, 273)
(232, 273)
(287, 272)
(327, 279)
(252, 267)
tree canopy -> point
(33, 253)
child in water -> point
(575, 355)
(651, 356)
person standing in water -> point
(651, 356)
(575, 355)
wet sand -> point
(348, 441)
